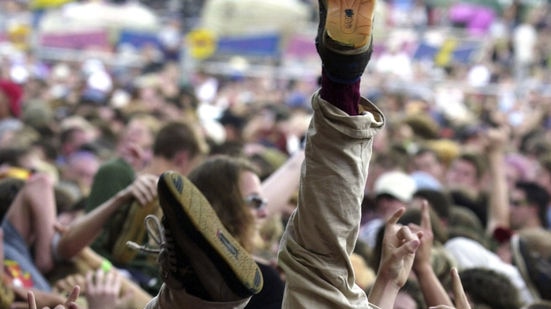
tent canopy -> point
(238, 17)
(76, 17)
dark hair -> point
(66, 135)
(440, 201)
(423, 149)
(537, 195)
(175, 137)
(545, 162)
(395, 156)
(463, 222)
(9, 188)
(476, 160)
(12, 155)
(488, 287)
(413, 215)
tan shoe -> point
(349, 22)
(344, 37)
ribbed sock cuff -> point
(345, 96)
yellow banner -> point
(202, 43)
(43, 4)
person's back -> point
(531, 251)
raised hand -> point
(398, 252)
(433, 291)
(143, 189)
(461, 301)
(103, 290)
(67, 284)
(69, 304)
(423, 254)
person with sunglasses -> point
(234, 190)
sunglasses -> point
(255, 201)
(518, 203)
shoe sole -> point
(349, 22)
(187, 211)
(133, 230)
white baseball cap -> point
(397, 184)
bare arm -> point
(433, 291)
(283, 183)
(498, 212)
(85, 229)
(39, 196)
(461, 301)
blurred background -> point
(233, 35)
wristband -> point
(106, 266)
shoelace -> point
(173, 264)
(155, 231)
(163, 238)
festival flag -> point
(450, 51)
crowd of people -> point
(384, 183)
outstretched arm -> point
(283, 183)
(461, 300)
(433, 291)
(498, 212)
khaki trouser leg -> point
(322, 232)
